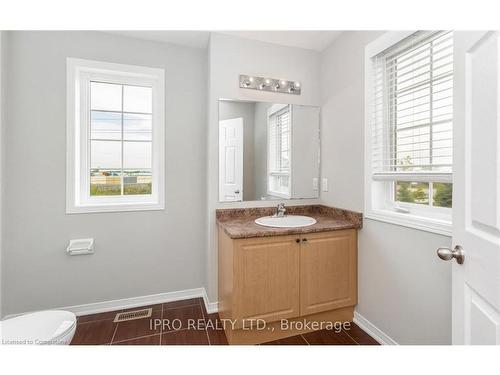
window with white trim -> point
(115, 133)
(410, 143)
(279, 151)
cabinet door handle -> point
(304, 240)
(297, 240)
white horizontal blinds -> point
(279, 139)
(413, 108)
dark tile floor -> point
(188, 323)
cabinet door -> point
(328, 278)
(266, 278)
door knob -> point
(447, 254)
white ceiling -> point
(189, 38)
(316, 40)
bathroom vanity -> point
(294, 279)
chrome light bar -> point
(270, 84)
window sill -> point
(279, 195)
(411, 221)
(124, 207)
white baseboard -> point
(127, 303)
(381, 337)
(212, 307)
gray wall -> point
(305, 150)
(137, 253)
(229, 110)
(260, 141)
(404, 289)
(260, 134)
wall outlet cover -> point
(315, 183)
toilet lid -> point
(37, 327)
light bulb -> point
(297, 84)
(250, 79)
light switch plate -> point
(324, 184)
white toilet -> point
(52, 327)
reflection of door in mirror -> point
(231, 160)
(279, 176)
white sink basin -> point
(287, 221)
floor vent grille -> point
(132, 315)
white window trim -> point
(77, 133)
(272, 110)
(419, 219)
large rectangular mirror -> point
(267, 151)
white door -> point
(231, 160)
(476, 194)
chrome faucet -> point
(280, 210)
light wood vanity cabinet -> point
(328, 264)
(308, 277)
(266, 278)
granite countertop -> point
(239, 222)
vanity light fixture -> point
(248, 82)
(270, 84)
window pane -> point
(279, 184)
(137, 99)
(105, 96)
(105, 182)
(137, 181)
(105, 125)
(284, 182)
(105, 154)
(137, 155)
(137, 127)
(443, 194)
(412, 192)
